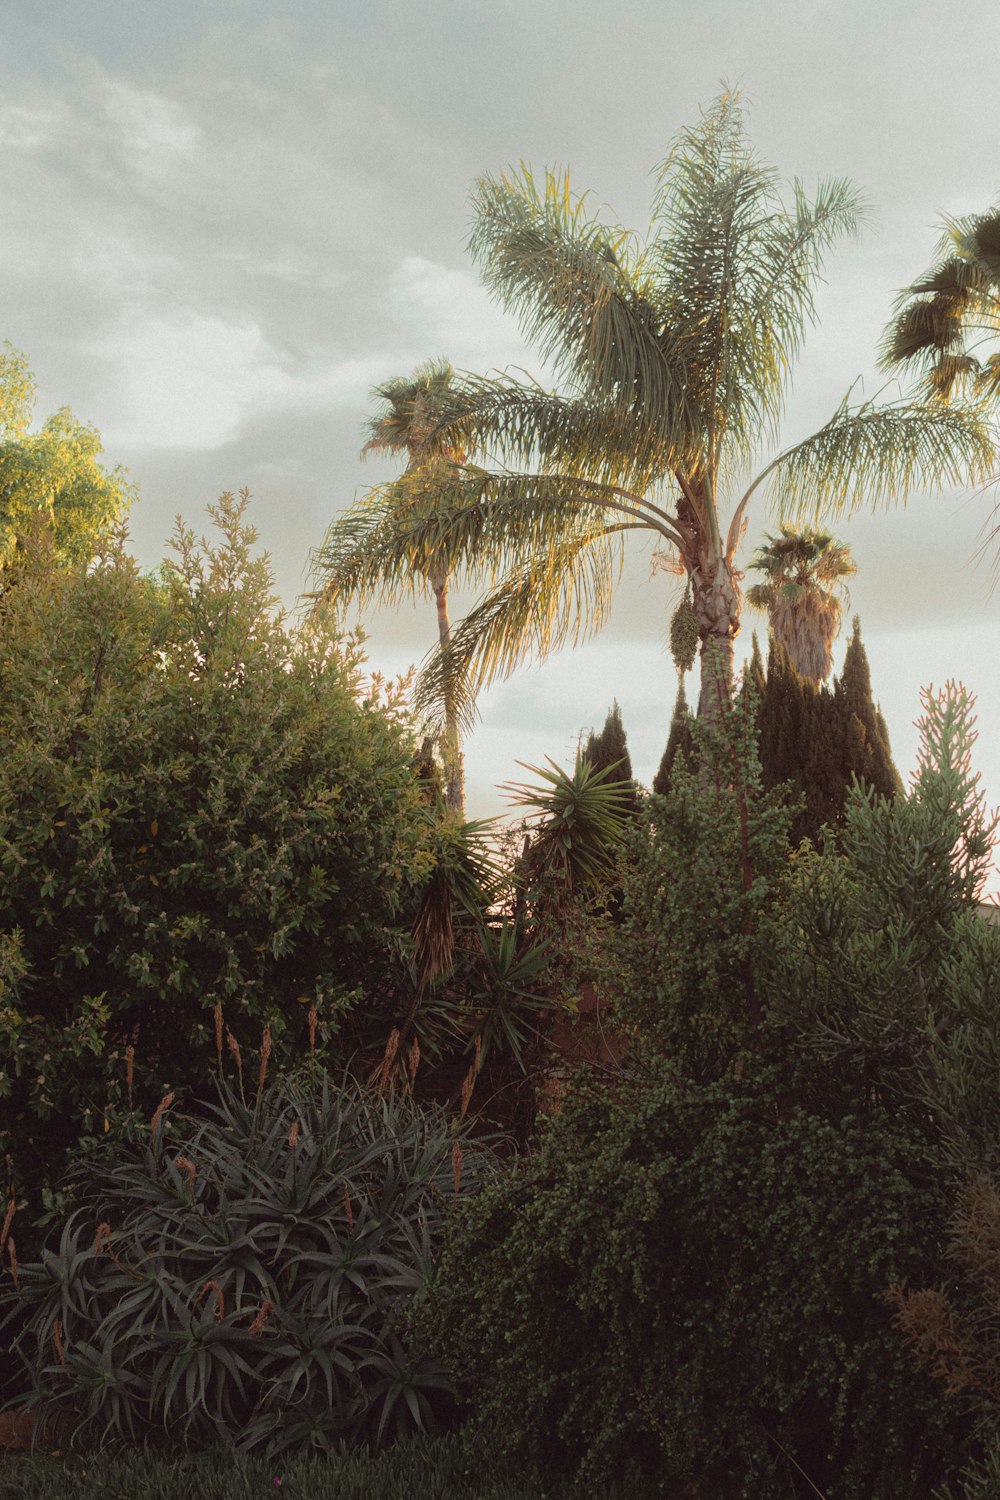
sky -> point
(224, 221)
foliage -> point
(952, 1322)
(680, 741)
(53, 475)
(407, 423)
(803, 569)
(885, 956)
(945, 317)
(199, 807)
(684, 1286)
(674, 359)
(702, 874)
(607, 750)
(235, 1276)
(437, 1468)
(576, 825)
(823, 740)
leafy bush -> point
(686, 1285)
(237, 1276)
(199, 806)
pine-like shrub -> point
(237, 1276)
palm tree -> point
(952, 311)
(674, 359)
(802, 572)
(409, 422)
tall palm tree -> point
(409, 422)
(803, 572)
(674, 359)
(946, 320)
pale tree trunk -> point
(715, 599)
(451, 747)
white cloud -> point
(148, 122)
(187, 381)
(452, 315)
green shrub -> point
(686, 1285)
(236, 1276)
(199, 805)
(704, 868)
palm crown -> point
(803, 576)
(673, 360)
(953, 311)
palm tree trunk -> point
(715, 599)
(454, 768)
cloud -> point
(187, 381)
(450, 311)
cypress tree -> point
(864, 727)
(610, 748)
(679, 742)
(821, 739)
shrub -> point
(199, 805)
(236, 1276)
(686, 1285)
(704, 869)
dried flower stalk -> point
(159, 1112)
(220, 1301)
(266, 1309)
(8, 1220)
(265, 1053)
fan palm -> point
(802, 571)
(953, 311)
(409, 422)
(674, 359)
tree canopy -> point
(53, 476)
(674, 359)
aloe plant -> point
(239, 1275)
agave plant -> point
(238, 1276)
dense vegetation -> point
(649, 1147)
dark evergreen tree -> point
(609, 749)
(820, 739)
(679, 742)
(866, 734)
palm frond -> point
(528, 425)
(736, 272)
(872, 455)
(579, 290)
(408, 421)
(562, 595)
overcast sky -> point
(224, 221)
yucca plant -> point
(237, 1276)
(576, 822)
